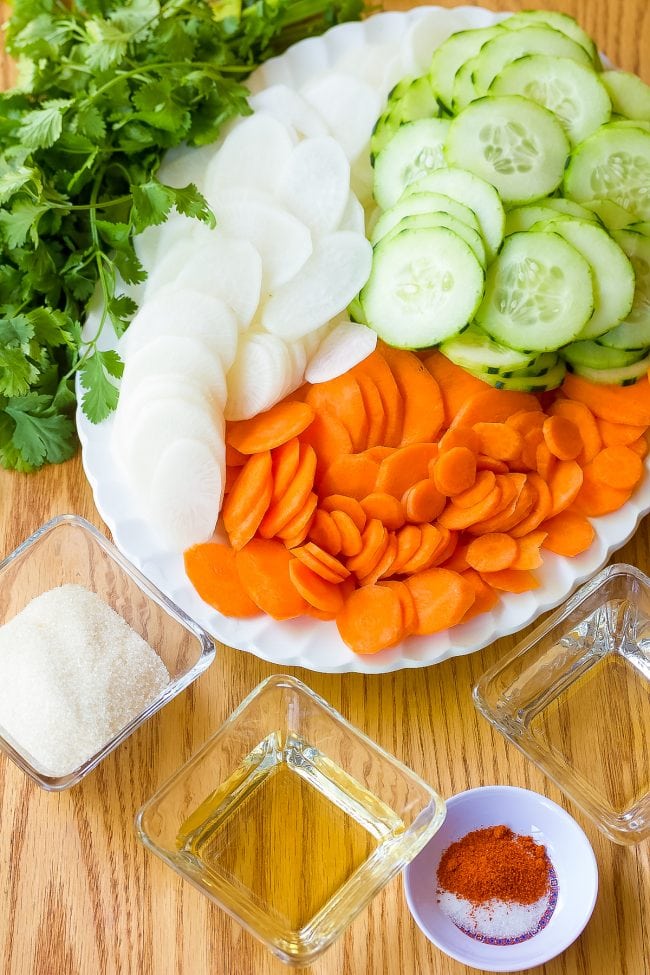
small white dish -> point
(528, 814)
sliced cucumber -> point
(538, 293)
(415, 150)
(570, 208)
(612, 273)
(512, 143)
(425, 285)
(412, 99)
(416, 203)
(628, 123)
(477, 352)
(512, 45)
(592, 355)
(625, 376)
(612, 164)
(523, 218)
(630, 96)
(613, 216)
(441, 219)
(451, 55)
(572, 91)
(527, 384)
(474, 192)
(384, 129)
(465, 91)
(558, 21)
(634, 332)
(541, 365)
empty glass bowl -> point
(290, 819)
(574, 696)
(69, 549)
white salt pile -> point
(72, 674)
(495, 920)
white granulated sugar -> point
(495, 918)
(72, 674)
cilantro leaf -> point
(20, 221)
(40, 434)
(190, 202)
(100, 398)
(17, 373)
(42, 127)
(152, 202)
(121, 310)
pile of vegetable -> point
(403, 496)
(104, 89)
(512, 182)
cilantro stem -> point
(99, 205)
(142, 70)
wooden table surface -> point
(81, 896)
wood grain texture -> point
(81, 896)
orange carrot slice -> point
(328, 438)
(285, 465)
(628, 403)
(371, 619)
(618, 467)
(423, 501)
(457, 518)
(375, 411)
(528, 553)
(351, 542)
(375, 540)
(565, 483)
(320, 594)
(383, 566)
(486, 463)
(409, 617)
(498, 440)
(404, 467)
(409, 540)
(424, 411)
(295, 531)
(386, 508)
(263, 567)
(456, 385)
(291, 503)
(430, 540)
(342, 397)
(511, 580)
(562, 437)
(540, 510)
(377, 368)
(492, 406)
(446, 548)
(341, 502)
(617, 434)
(267, 430)
(460, 437)
(211, 569)
(586, 422)
(492, 552)
(351, 474)
(532, 440)
(329, 560)
(457, 561)
(232, 473)
(313, 562)
(523, 421)
(596, 498)
(247, 502)
(455, 471)
(568, 533)
(484, 483)
(324, 532)
(485, 598)
(640, 446)
(441, 599)
(234, 458)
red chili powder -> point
(495, 863)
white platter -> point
(379, 50)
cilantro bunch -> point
(104, 88)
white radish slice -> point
(273, 72)
(184, 357)
(183, 311)
(343, 40)
(259, 376)
(333, 275)
(312, 340)
(155, 241)
(186, 164)
(346, 346)
(291, 109)
(349, 106)
(282, 241)
(255, 152)
(353, 217)
(168, 264)
(316, 184)
(298, 361)
(186, 494)
(162, 388)
(306, 59)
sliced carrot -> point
(616, 434)
(455, 471)
(545, 461)
(441, 599)
(564, 484)
(211, 569)
(457, 562)
(492, 406)
(232, 473)
(430, 540)
(492, 552)
(562, 437)
(484, 483)
(485, 598)
(342, 397)
(234, 457)
(457, 518)
(378, 369)
(409, 540)
(404, 467)
(263, 567)
(618, 467)
(509, 487)
(375, 411)
(640, 446)
(351, 543)
(568, 533)
(329, 560)
(374, 538)
(317, 566)
(295, 531)
(403, 593)
(447, 546)
(285, 465)
(487, 463)
(371, 619)
(424, 411)
(267, 430)
(246, 504)
(329, 439)
(351, 474)
(511, 580)
(528, 554)
(586, 423)
(460, 437)
(628, 403)
(423, 501)
(386, 508)
(522, 501)
(378, 453)
(290, 504)
(532, 440)
(324, 532)
(322, 595)
(341, 502)
(498, 440)
(523, 421)
(596, 498)
(540, 510)
(383, 566)
(456, 385)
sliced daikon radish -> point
(154, 241)
(370, 64)
(273, 72)
(186, 164)
(344, 347)
(186, 494)
(260, 374)
(255, 152)
(169, 262)
(353, 217)
(183, 311)
(230, 269)
(298, 360)
(349, 106)
(333, 275)
(282, 241)
(426, 34)
(316, 184)
(161, 388)
(182, 356)
(306, 59)
(291, 109)
(312, 340)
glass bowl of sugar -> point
(89, 649)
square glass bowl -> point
(69, 549)
(290, 819)
(574, 697)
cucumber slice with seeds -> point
(634, 332)
(451, 55)
(415, 150)
(629, 94)
(413, 99)
(416, 203)
(425, 286)
(477, 352)
(625, 376)
(540, 366)
(512, 143)
(527, 384)
(613, 216)
(538, 293)
(384, 129)
(558, 21)
(572, 91)
(612, 164)
(550, 208)
(441, 219)
(592, 355)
